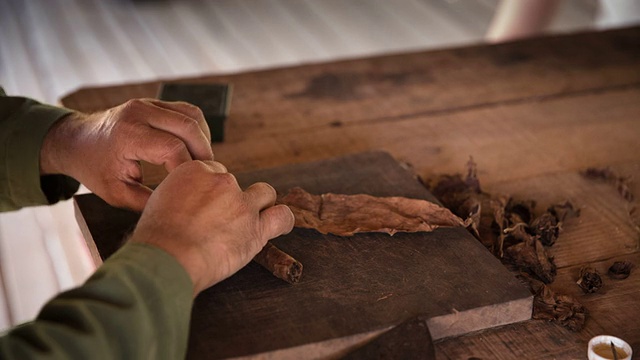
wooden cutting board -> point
(352, 288)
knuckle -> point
(225, 179)
(191, 109)
(133, 104)
(266, 188)
(286, 216)
(219, 167)
(194, 166)
(190, 124)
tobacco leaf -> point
(547, 228)
(520, 211)
(589, 280)
(500, 223)
(530, 256)
(345, 215)
(519, 238)
(620, 270)
(463, 197)
(564, 211)
(510, 222)
(562, 309)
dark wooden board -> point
(350, 285)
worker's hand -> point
(102, 150)
(200, 215)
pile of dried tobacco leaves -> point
(518, 236)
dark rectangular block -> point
(352, 287)
(213, 99)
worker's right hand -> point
(200, 215)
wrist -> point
(190, 261)
(57, 145)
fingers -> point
(184, 127)
(161, 148)
(261, 195)
(276, 220)
(187, 109)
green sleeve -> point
(23, 126)
(136, 306)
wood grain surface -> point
(531, 113)
(351, 285)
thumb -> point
(275, 221)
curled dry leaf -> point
(562, 309)
(462, 196)
(589, 280)
(549, 225)
(345, 215)
(520, 211)
(547, 228)
(563, 211)
(500, 223)
(620, 270)
(530, 256)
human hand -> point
(102, 150)
(199, 215)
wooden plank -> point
(391, 87)
(351, 286)
(508, 142)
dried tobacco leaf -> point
(563, 211)
(547, 228)
(562, 309)
(518, 233)
(532, 257)
(590, 280)
(462, 196)
(620, 270)
(345, 215)
(500, 223)
(520, 211)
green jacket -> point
(137, 305)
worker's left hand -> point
(102, 150)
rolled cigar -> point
(279, 263)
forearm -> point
(23, 126)
(136, 306)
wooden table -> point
(531, 113)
